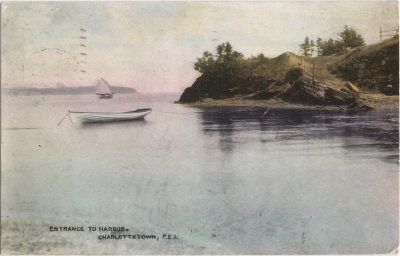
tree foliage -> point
(261, 59)
(331, 46)
(305, 47)
(319, 46)
(312, 47)
(205, 63)
(225, 60)
(348, 38)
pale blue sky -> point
(152, 46)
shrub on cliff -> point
(225, 62)
(223, 74)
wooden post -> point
(313, 73)
(313, 76)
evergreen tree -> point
(319, 46)
(312, 47)
(350, 38)
(305, 47)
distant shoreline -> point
(79, 90)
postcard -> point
(259, 127)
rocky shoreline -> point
(299, 90)
(374, 100)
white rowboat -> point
(94, 117)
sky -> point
(152, 46)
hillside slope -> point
(372, 67)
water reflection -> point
(356, 130)
(120, 124)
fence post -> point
(313, 76)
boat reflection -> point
(120, 124)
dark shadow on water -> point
(358, 131)
(131, 123)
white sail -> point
(103, 87)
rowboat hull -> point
(95, 117)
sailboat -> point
(103, 89)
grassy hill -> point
(373, 67)
(274, 68)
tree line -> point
(226, 60)
(348, 38)
(230, 62)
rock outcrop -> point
(297, 87)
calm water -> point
(223, 179)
